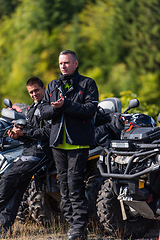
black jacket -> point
(76, 114)
(36, 133)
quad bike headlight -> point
(121, 144)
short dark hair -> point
(34, 80)
(65, 52)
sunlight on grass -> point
(32, 231)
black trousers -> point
(13, 184)
(71, 168)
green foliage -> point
(29, 44)
(149, 87)
(120, 79)
(7, 7)
(117, 43)
(142, 35)
(97, 46)
(48, 14)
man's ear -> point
(76, 63)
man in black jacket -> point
(35, 154)
(71, 102)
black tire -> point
(93, 184)
(43, 208)
(109, 213)
(23, 210)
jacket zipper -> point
(67, 134)
(63, 119)
(60, 127)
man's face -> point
(36, 92)
(67, 64)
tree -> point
(29, 43)
(118, 43)
(92, 35)
(7, 7)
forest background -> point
(117, 43)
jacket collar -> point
(72, 79)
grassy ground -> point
(32, 231)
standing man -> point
(71, 102)
(35, 154)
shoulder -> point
(32, 105)
(87, 81)
(85, 78)
(50, 89)
(52, 84)
(30, 108)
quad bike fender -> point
(142, 208)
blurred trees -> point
(7, 7)
(117, 43)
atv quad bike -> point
(127, 203)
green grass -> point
(32, 231)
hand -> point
(59, 102)
(15, 132)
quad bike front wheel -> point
(93, 185)
(109, 213)
(23, 210)
(43, 207)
